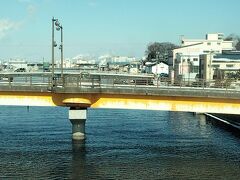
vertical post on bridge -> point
(53, 45)
(78, 117)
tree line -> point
(236, 40)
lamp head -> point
(57, 23)
(55, 44)
(57, 28)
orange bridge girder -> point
(123, 101)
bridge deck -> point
(119, 91)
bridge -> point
(122, 91)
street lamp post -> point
(157, 61)
(189, 69)
(182, 66)
(54, 44)
(61, 47)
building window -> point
(195, 69)
(229, 65)
(183, 60)
(220, 36)
(219, 43)
(195, 59)
(206, 51)
(216, 66)
(208, 43)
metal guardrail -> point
(102, 80)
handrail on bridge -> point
(101, 80)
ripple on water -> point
(120, 144)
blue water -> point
(120, 144)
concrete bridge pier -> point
(78, 117)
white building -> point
(83, 59)
(67, 63)
(134, 67)
(104, 60)
(186, 58)
(16, 65)
(212, 65)
(115, 59)
(161, 68)
(119, 59)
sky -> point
(116, 27)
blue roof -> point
(227, 56)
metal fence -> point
(96, 80)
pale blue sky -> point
(120, 27)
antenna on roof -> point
(181, 39)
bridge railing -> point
(95, 80)
(25, 79)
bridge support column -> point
(78, 118)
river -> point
(121, 144)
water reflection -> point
(79, 146)
(79, 159)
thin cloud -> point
(92, 3)
(31, 9)
(30, 6)
(7, 26)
